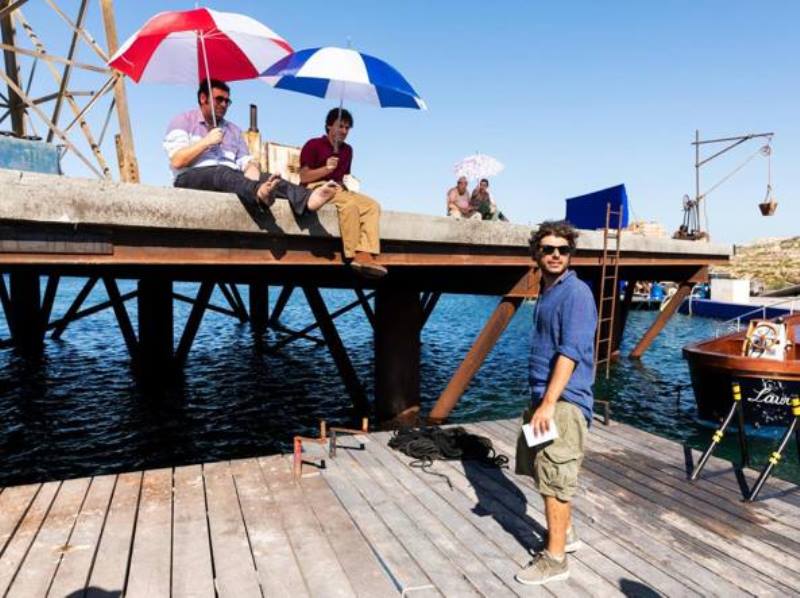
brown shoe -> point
(364, 264)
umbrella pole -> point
(338, 120)
(208, 78)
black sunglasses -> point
(223, 100)
(551, 249)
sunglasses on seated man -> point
(551, 249)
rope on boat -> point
(428, 444)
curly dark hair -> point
(557, 228)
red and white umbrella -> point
(191, 45)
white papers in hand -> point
(534, 439)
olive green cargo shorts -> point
(554, 466)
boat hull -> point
(765, 398)
(768, 385)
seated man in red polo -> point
(328, 158)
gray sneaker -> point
(543, 569)
(573, 541)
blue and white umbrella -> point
(343, 74)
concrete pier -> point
(56, 226)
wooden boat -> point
(764, 360)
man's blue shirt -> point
(564, 322)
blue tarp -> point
(34, 156)
(589, 211)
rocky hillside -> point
(775, 262)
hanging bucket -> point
(768, 207)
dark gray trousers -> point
(223, 178)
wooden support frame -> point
(353, 385)
(258, 298)
(428, 305)
(280, 305)
(684, 290)
(62, 323)
(231, 298)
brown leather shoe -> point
(364, 264)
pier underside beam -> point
(398, 321)
(684, 289)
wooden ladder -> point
(609, 281)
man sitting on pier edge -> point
(329, 158)
(561, 374)
(211, 158)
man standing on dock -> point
(561, 375)
(208, 152)
(328, 158)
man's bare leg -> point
(322, 195)
(558, 517)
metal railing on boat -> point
(735, 324)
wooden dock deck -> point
(369, 525)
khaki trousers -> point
(359, 222)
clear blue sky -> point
(570, 96)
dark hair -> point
(333, 116)
(214, 83)
(557, 228)
(484, 181)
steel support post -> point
(259, 306)
(155, 323)
(485, 342)
(25, 320)
(398, 321)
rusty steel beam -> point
(124, 321)
(338, 351)
(485, 342)
(258, 297)
(199, 306)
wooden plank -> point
(779, 497)
(453, 513)
(14, 503)
(150, 567)
(516, 528)
(598, 510)
(316, 558)
(110, 568)
(713, 551)
(482, 578)
(230, 549)
(36, 572)
(635, 567)
(400, 564)
(18, 545)
(738, 512)
(354, 553)
(192, 573)
(276, 562)
(77, 558)
(447, 578)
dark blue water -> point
(81, 412)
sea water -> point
(79, 410)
